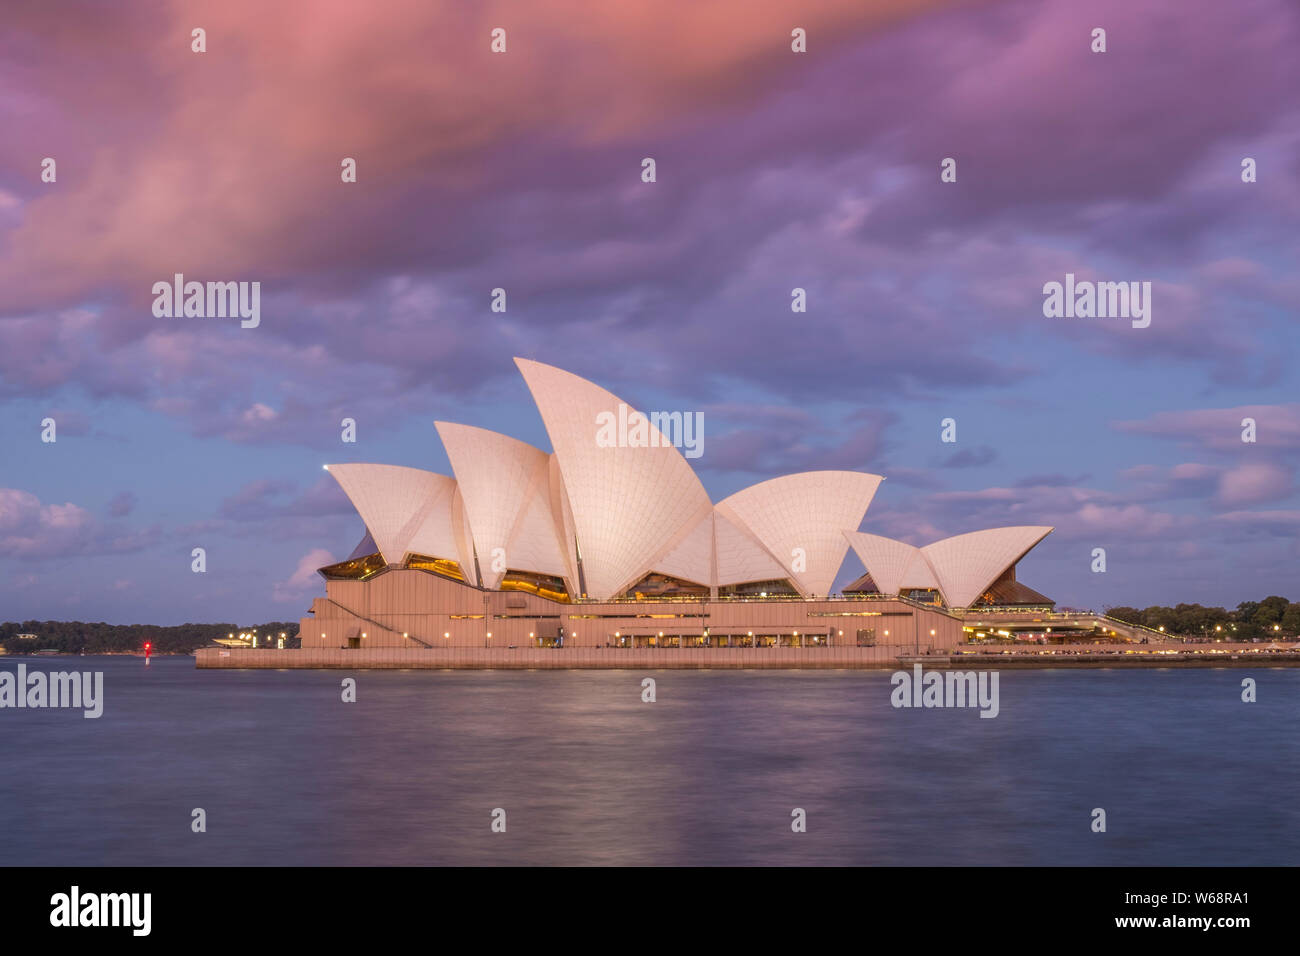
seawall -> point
(726, 658)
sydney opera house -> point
(617, 544)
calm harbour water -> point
(708, 774)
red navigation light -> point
(147, 645)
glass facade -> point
(542, 585)
(443, 566)
(655, 585)
(357, 569)
(758, 589)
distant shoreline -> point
(39, 654)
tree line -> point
(1270, 618)
(79, 637)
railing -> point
(1041, 610)
(1163, 635)
(759, 599)
(1052, 616)
(371, 620)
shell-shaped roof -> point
(434, 533)
(627, 507)
(406, 510)
(885, 559)
(967, 564)
(535, 543)
(894, 566)
(629, 503)
(918, 574)
(692, 558)
(740, 556)
(562, 521)
(503, 481)
(800, 520)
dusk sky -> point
(522, 170)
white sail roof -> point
(434, 533)
(503, 482)
(800, 519)
(629, 504)
(885, 559)
(562, 521)
(894, 566)
(919, 575)
(740, 556)
(405, 509)
(692, 558)
(967, 564)
(534, 543)
(628, 508)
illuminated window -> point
(543, 585)
(656, 585)
(443, 566)
(357, 569)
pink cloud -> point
(246, 139)
(32, 529)
(304, 578)
(1254, 484)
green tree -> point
(1291, 620)
(1129, 615)
(1270, 611)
